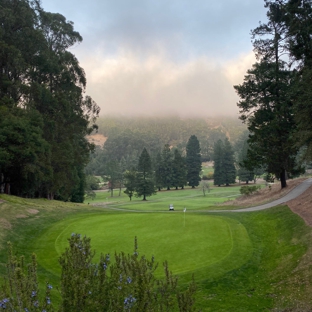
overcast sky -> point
(152, 57)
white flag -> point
(184, 209)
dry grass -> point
(265, 194)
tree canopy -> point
(273, 99)
(45, 115)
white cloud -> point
(125, 84)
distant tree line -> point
(170, 169)
(44, 114)
(126, 136)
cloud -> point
(128, 85)
(184, 28)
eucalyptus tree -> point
(39, 75)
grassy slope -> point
(271, 277)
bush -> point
(248, 190)
(128, 284)
(208, 176)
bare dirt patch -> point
(97, 139)
(302, 206)
(32, 211)
(21, 216)
(5, 224)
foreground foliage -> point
(127, 284)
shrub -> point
(208, 176)
(127, 284)
(247, 190)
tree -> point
(144, 183)
(158, 172)
(167, 170)
(112, 173)
(298, 20)
(193, 161)
(229, 171)
(205, 187)
(218, 161)
(179, 170)
(130, 182)
(39, 76)
(266, 104)
(243, 173)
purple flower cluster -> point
(3, 303)
(129, 302)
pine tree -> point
(244, 174)
(218, 161)
(158, 172)
(167, 170)
(229, 171)
(144, 182)
(193, 161)
(179, 170)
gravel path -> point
(298, 190)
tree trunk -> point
(283, 178)
(2, 183)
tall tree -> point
(179, 170)
(167, 169)
(130, 182)
(243, 173)
(229, 171)
(298, 19)
(145, 183)
(265, 103)
(39, 74)
(218, 161)
(158, 172)
(193, 161)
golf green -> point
(189, 241)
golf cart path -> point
(294, 193)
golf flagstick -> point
(184, 215)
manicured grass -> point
(192, 199)
(241, 262)
(188, 245)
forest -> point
(46, 117)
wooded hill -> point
(128, 135)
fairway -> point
(194, 243)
